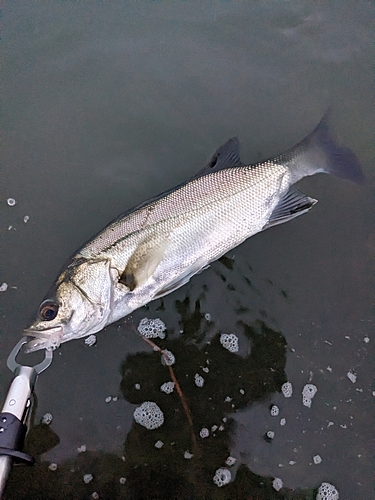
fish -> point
(158, 246)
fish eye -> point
(48, 310)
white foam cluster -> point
(88, 478)
(4, 287)
(270, 434)
(82, 449)
(229, 341)
(308, 393)
(152, 328)
(352, 377)
(204, 432)
(167, 387)
(167, 358)
(199, 381)
(327, 491)
(222, 476)
(287, 389)
(274, 410)
(188, 455)
(277, 483)
(90, 340)
(47, 419)
(230, 461)
(149, 415)
(317, 459)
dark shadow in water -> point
(231, 382)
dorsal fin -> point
(228, 155)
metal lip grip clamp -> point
(15, 411)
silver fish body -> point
(157, 247)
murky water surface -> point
(107, 104)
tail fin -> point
(319, 152)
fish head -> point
(79, 304)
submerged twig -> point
(185, 405)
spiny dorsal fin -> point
(228, 155)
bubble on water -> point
(188, 455)
(149, 415)
(167, 387)
(366, 339)
(4, 287)
(327, 491)
(222, 477)
(207, 317)
(167, 358)
(317, 459)
(90, 340)
(214, 428)
(229, 341)
(352, 377)
(152, 328)
(137, 386)
(88, 478)
(199, 381)
(108, 399)
(204, 432)
(47, 419)
(52, 467)
(26, 219)
(277, 483)
(205, 369)
(269, 435)
(308, 393)
(283, 421)
(274, 410)
(82, 449)
(159, 444)
(95, 496)
(230, 461)
(287, 389)
(122, 480)
(306, 401)
(11, 202)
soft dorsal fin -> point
(228, 155)
(291, 205)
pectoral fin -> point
(142, 263)
(293, 204)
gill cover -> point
(80, 305)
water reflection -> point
(174, 460)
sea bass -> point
(155, 248)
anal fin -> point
(293, 204)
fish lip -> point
(49, 339)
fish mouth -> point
(43, 339)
